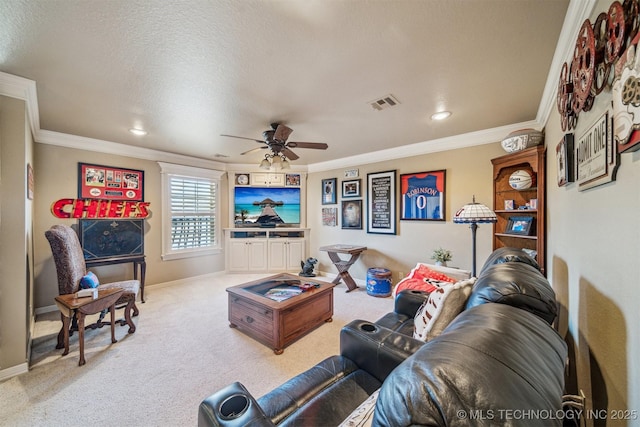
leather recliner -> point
(497, 362)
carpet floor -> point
(182, 351)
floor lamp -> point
(473, 214)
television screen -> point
(266, 206)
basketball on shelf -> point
(521, 180)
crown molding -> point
(24, 89)
(577, 12)
(443, 144)
(108, 147)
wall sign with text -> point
(381, 202)
(99, 209)
(596, 156)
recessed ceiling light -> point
(138, 132)
(440, 115)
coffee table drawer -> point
(309, 315)
(247, 315)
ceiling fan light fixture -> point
(441, 115)
(285, 164)
(265, 163)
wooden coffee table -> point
(278, 323)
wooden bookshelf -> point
(533, 161)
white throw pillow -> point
(442, 306)
(362, 416)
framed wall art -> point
(422, 196)
(521, 225)
(564, 160)
(381, 202)
(30, 182)
(330, 217)
(106, 182)
(351, 188)
(352, 214)
(329, 191)
(596, 155)
(292, 180)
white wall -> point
(594, 265)
(469, 172)
(57, 178)
(16, 254)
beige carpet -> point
(182, 351)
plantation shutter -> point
(193, 208)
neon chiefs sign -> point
(99, 209)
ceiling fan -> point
(276, 139)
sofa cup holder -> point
(233, 406)
(369, 327)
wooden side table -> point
(68, 305)
(344, 265)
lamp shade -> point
(474, 213)
(265, 164)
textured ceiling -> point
(188, 71)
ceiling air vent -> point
(383, 103)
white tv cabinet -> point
(259, 249)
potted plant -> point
(441, 256)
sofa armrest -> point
(408, 301)
(374, 348)
(232, 406)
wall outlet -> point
(401, 275)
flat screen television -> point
(103, 238)
(266, 207)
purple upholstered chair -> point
(70, 266)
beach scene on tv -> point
(266, 206)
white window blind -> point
(190, 211)
(193, 212)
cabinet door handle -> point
(249, 319)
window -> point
(190, 211)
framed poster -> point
(381, 202)
(330, 217)
(105, 182)
(564, 160)
(352, 214)
(329, 191)
(422, 196)
(351, 188)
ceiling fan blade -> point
(290, 154)
(316, 145)
(253, 149)
(242, 137)
(282, 133)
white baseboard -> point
(46, 309)
(13, 371)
